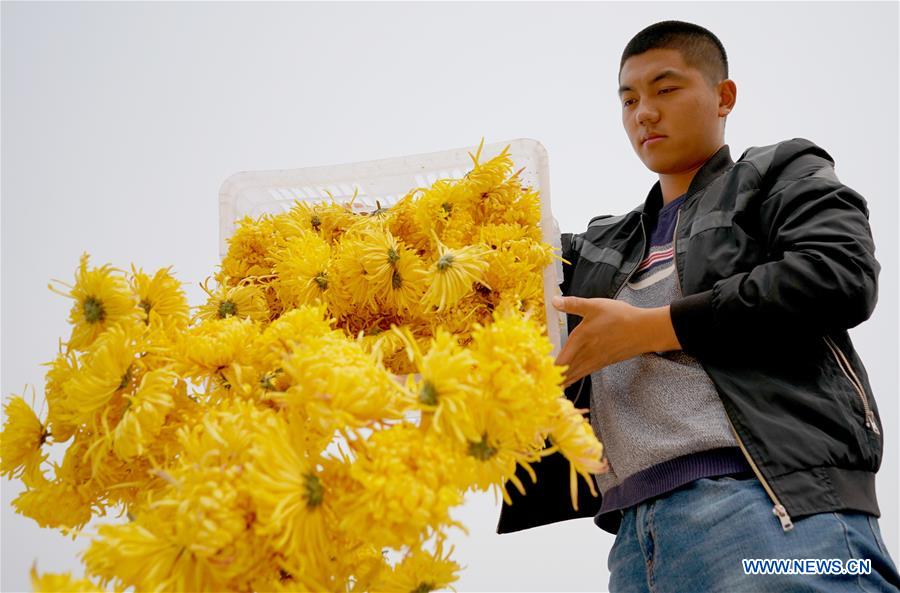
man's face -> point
(662, 95)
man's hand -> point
(611, 331)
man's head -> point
(673, 82)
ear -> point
(727, 92)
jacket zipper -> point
(675, 250)
(844, 364)
(638, 264)
(778, 510)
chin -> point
(657, 163)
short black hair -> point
(698, 46)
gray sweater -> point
(658, 415)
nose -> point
(646, 113)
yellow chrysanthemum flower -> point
(195, 532)
(452, 274)
(335, 383)
(404, 222)
(408, 283)
(349, 291)
(291, 501)
(447, 384)
(102, 298)
(421, 571)
(216, 349)
(60, 583)
(302, 218)
(462, 319)
(302, 574)
(573, 436)
(392, 347)
(495, 203)
(528, 209)
(378, 256)
(342, 558)
(328, 220)
(515, 368)
(302, 269)
(107, 368)
(56, 504)
(491, 458)
(516, 268)
(246, 301)
(435, 208)
(409, 483)
(485, 176)
(144, 414)
(460, 229)
(395, 274)
(21, 440)
(61, 370)
(368, 563)
(513, 358)
(162, 549)
(161, 295)
(380, 342)
(449, 209)
(496, 235)
(306, 323)
(248, 251)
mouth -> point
(650, 140)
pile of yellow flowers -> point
(349, 379)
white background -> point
(120, 122)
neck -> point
(674, 185)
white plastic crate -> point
(255, 193)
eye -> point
(668, 89)
(625, 104)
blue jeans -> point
(692, 540)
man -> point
(709, 337)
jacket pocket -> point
(869, 420)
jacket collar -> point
(714, 166)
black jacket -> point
(775, 260)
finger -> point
(564, 356)
(569, 304)
(566, 374)
(574, 376)
(578, 368)
(571, 379)
(570, 348)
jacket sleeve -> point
(570, 258)
(579, 393)
(820, 275)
